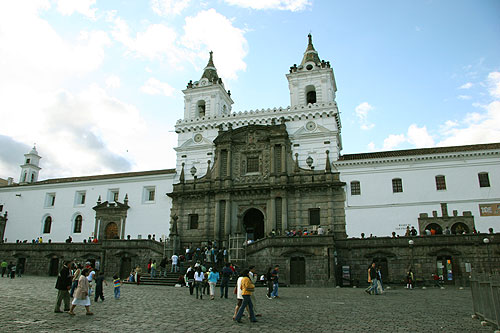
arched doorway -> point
(436, 227)
(111, 231)
(459, 228)
(253, 221)
(297, 270)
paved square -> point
(27, 304)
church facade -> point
(240, 176)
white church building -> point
(384, 191)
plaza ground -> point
(27, 304)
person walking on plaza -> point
(76, 276)
(269, 281)
(153, 269)
(12, 270)
(409, 279)
(175, 260)
(224, 285)
(99, 290)
(116, 285)
(275, 275)
(138, 272)
(163, 267)
(82, 294)
(90, 278)
(198, 281)
(4, 265)
(63, 285)
(213, 277)
(380, 286)
(247, 288)
(238, 292)
(372, 278)
(252, 274)
(190, 279)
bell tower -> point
(312, 81)
(207, 97)
(30, 168)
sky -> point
(97, 85)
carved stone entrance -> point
(110, 219)
(111, 231)
(253, 221)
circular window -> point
(311, 126)
(309, 67)
(198, 137)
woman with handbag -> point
(82, 294)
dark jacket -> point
(64, 279)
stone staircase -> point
(171, 280)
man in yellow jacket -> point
(247, 288)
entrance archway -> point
(436, 227)
(111, 231)
(459, 228)
(253, 221)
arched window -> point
(201, 108)
(32, 177)
(355, 188)
(397, 185)
(310, 94)
(24, 177)
(78, 224)
(47, 224)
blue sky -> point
(97, 84)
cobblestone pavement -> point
(27, 304)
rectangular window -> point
(355, 188)
(80, 198)
(113, 195)
(50, 200)
(149, 194)
(193, 221)
(252, 164)
(397, 185)
(440, 183)
(314, 216)
(277, 160)
(484, 179)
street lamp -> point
(486, 241)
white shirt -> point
(238, 288)
(198, 276)
(321, 231)
(174, 259)
(90, 277)
(253, 277)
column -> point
(227, 220)
(283, 159)
(284, 214)
(271, 216)
(216, 224)
(273, 169)
(228, 163)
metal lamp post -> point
(410, 244)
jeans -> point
(117, 292)
(275, 290)
(174, 268)
(247, 301)
(73, 287)
(224, 287)
(198, 286)
(153, 272)
(373, 287)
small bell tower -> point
(312, 81)
(207, 97)
(30, 168)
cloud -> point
(494, 84)
(113, 81)
(464, 97)
(467, 85)
(68, 7)
(291, 5)
(393, 140)
(209, 30)
(169, 7)
(362, 111)
(11, 156)
(419, 137)
(371, 146)
(155, 87)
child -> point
(117, 284)
(98, 286)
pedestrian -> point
(138, 272)
(190, 279)
(175, 260)
(20, 269)
(205, 285)
(269, 281)
(12, 270)
(213, 277)
(238, 293)
(149, 265)
(372, 278)
(252, 274)
(413, 231)
(99, 292)
(4, 265)
(380, 286)
(226, 275)
(63, 285)
(163, 265)
(76, 275)
(247, 288)
(153, 269)
(275, 275)
(198, 280)
(409, 279)
(90, 277)
(82, 294)
(116, 284)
